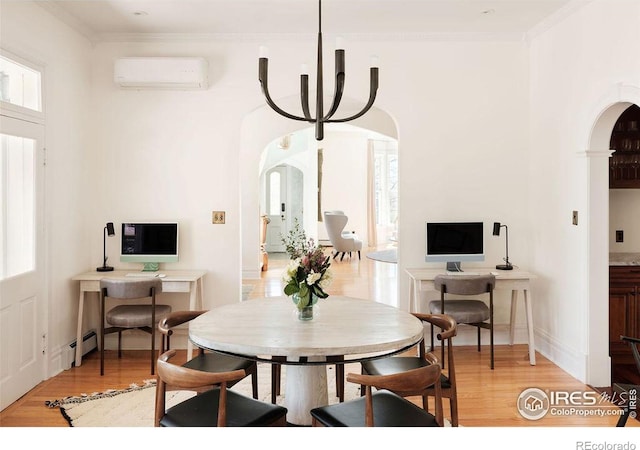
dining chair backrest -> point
(465, 284)
(130, 288)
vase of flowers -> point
(307, 274)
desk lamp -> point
(496, 232)
(108, 230)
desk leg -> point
(79, 330)
(200, 299)
(413, 297)
(532, 348)
(306, 388)
(512, 323)
(193, 303)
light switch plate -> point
(217, 217)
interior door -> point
(22, 303)
(276, 207)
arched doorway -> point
(598, 153)
(259, 128)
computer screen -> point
(149, 243)
(453, 242)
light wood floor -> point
(487, 398)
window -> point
(17, 217)
(386, 182)
(20, 163)
(274, 193)
(20, 85)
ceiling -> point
(108, 19)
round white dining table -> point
(265, 328)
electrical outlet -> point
(575, 218)
(217, 217)
(619, 236)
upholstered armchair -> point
(342, 241)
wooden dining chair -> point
(214, 405)
(396, 364)
(207, 361)
(386, 407)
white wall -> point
(577, 66)
(70, 188)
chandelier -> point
(320, 117)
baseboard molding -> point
(568, 359)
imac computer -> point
(453, 242)
(149, 243)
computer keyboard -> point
(145, 274)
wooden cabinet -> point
(624, 165)
(624, 319)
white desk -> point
(186, 281)
(515, 280)
(341, 326)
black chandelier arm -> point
(373, 90)
(337, 96)
(263, 77)
(304, 96)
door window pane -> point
(274, 193)
(19, 84)
(17, 216)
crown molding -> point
(557, 17)
(307, 37)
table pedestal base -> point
(306, 388)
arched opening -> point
(260, 128)
(598, 153)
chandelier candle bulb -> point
(304, 69)
(375, 61)
(339, 43)
(264, 52)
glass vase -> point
(306, 312)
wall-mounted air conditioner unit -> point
(161, 73)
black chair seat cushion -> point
(217, 362)
(463, 311)
(202, 411)
(398, 364)
(389, 410)
(135, 316)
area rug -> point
(388, 256)
(134, 406)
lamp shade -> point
(496, 228)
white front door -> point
(284, 200)
(276, 195)
(22, 285)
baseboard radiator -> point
(89, 343)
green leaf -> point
(291, 289)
